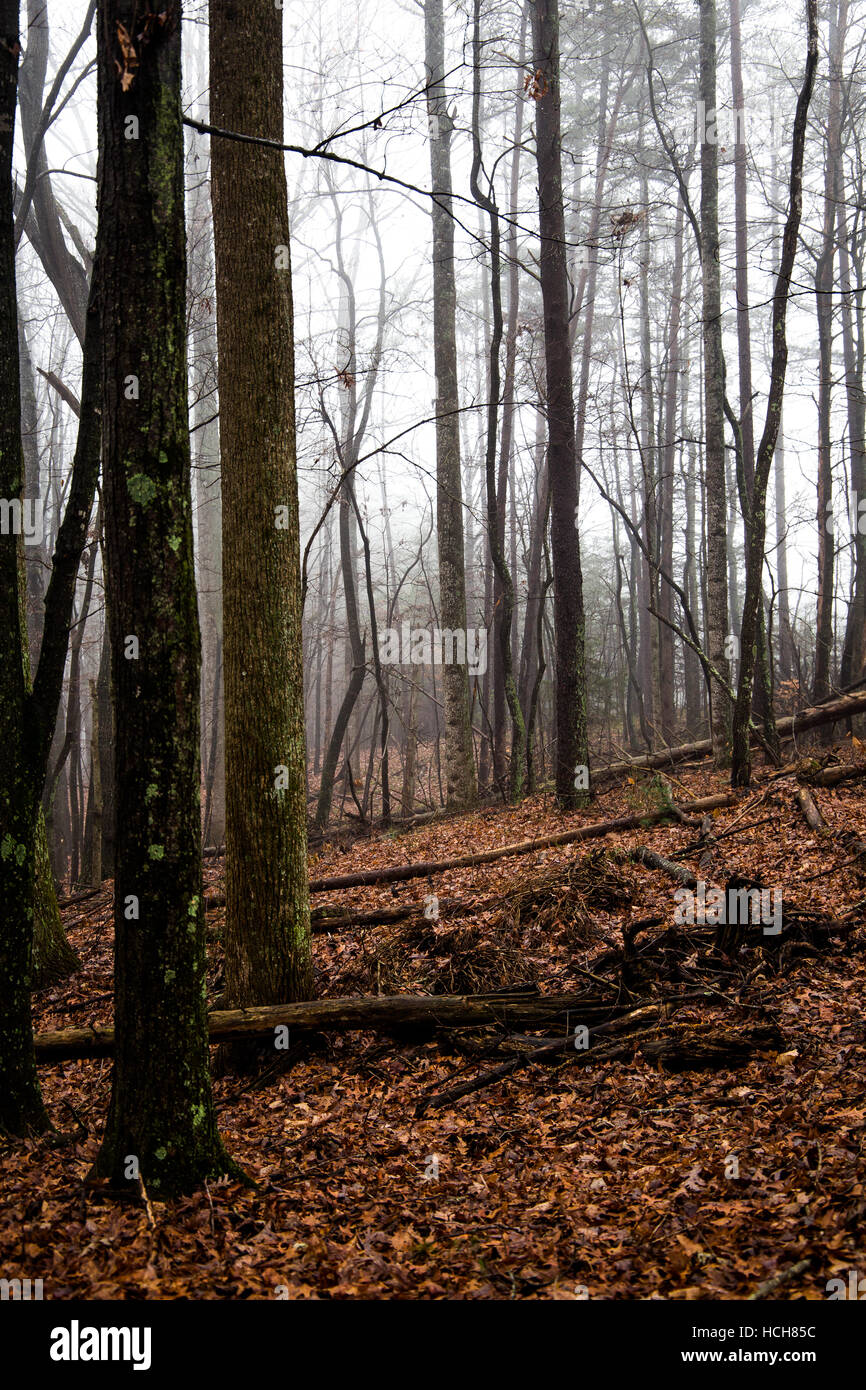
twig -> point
(144, 1197)
(770, 1285)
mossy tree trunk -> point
(53, 957)
(268, 958)
(161, 1113)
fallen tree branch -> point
(566, 837)
(831, 776)
(770, 1285)
(828, 713)
(359, 1012)
(849, 841)
(667, 866)
(811, 812)
(80, 897)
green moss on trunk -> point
(268, 957)
(161, 1122)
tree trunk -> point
(786, 641)
(756, 530)
(854, 351)
(207, 479)
(358, 1012)
(666, 486)
(21, 1108)
(267, 933)
(824, 311)
(93, 823)
(495, 489)
(571, 734)
(459, 762)
(161, 1110)
(53, 957)
(714, 395)
(106, 749)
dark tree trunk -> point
(161, 1110)
(714, 391)
(666, 488)
(21, 1108)
(756, 531)
(495, 489)
(824, 311)
(571, 733)
(851, 250)
(106, 752)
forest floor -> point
(618, 1179)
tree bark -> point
(21, 1108)
(267, 936)
(824, 312)
(161, 1109)
(714, 395)
(459, 761)
(752, 625)
(571, 733)
(360, 1012)
(850, 249)
(495, 491)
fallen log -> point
(594, 830)
(810, 718)
(651, 860)
(331, 919)
(831, 776)
(79, 897)
(811, 812)
(848, 840)
(328, 919)
(359, 1012)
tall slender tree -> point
(21, 1107)
(495, 493)
(756, 531)
(459, 763)
(824, 311)
(28, 715)
(267, 938)
(714, 392)
(571, 734)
